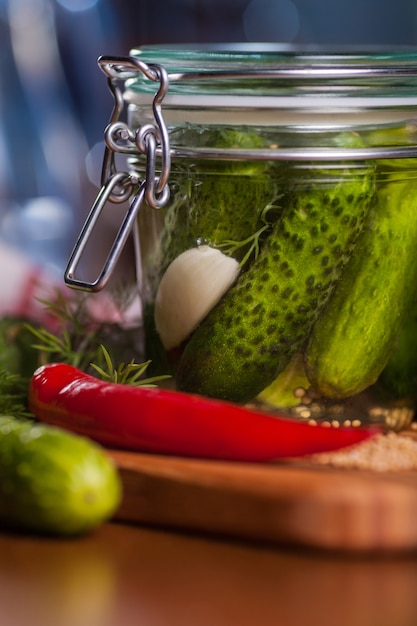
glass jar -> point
(281, 270)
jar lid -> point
(265, 75)
(272, 84)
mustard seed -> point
(391, 452)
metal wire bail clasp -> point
(120, 186)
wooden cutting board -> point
(290, 503)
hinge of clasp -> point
(121, 186)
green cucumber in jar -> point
(353, 339)
(52, 481)
(213, 202)
(266, 317)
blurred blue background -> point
(54, 102)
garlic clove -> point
(191, 286)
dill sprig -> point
(128, 374)
(13, 395)
(99, 348)
(73, 342)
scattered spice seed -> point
(300, 392)
(391, 452)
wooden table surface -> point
(124, 575)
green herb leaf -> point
(13, 395)
(127, 374)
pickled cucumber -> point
(352, 340)
(265, 318)
(214, 201)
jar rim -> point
(271, 50)
(282, 70)
(238, 55)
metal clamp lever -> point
(120, 240)
(118, 186)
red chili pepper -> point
(160, 421)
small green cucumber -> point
(264, 319)
(52, 481)
(351, 342)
